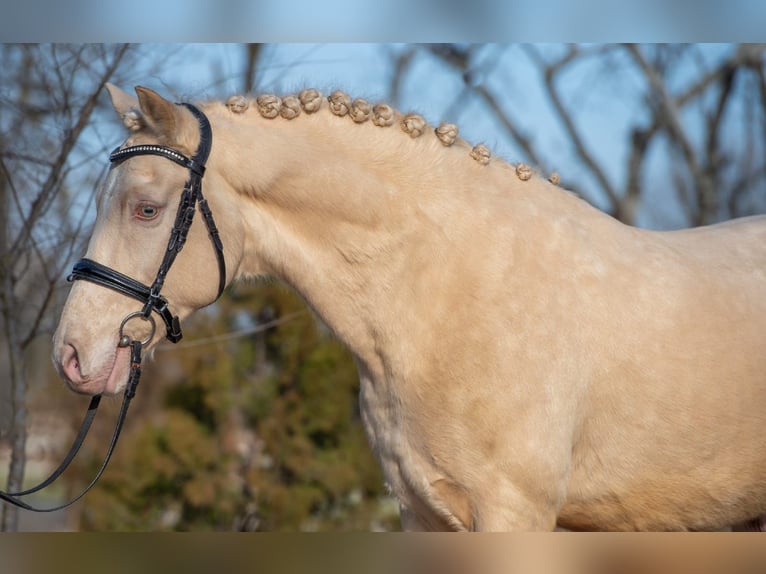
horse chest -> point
(384, 418)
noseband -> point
(89, 270)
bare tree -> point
(704, 113)
(50, 94)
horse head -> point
(144, 215)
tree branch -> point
(669, 116)
(42, 201)
(550, 71)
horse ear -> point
(126, 106)
(159, 114)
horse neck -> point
(349, 215)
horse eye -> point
(147, 211)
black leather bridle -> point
(89, 270)
(192, 196)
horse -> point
(526, 361)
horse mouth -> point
(118, 375)
(107, 382)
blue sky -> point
(395, 20)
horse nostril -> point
(70, 364)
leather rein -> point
(149, 295)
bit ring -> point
(124, 340)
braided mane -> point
(340, 104)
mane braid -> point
(340, 104)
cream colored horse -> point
(526, 361)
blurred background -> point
(252, 423)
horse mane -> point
(360, 110)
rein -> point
(89, 270)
